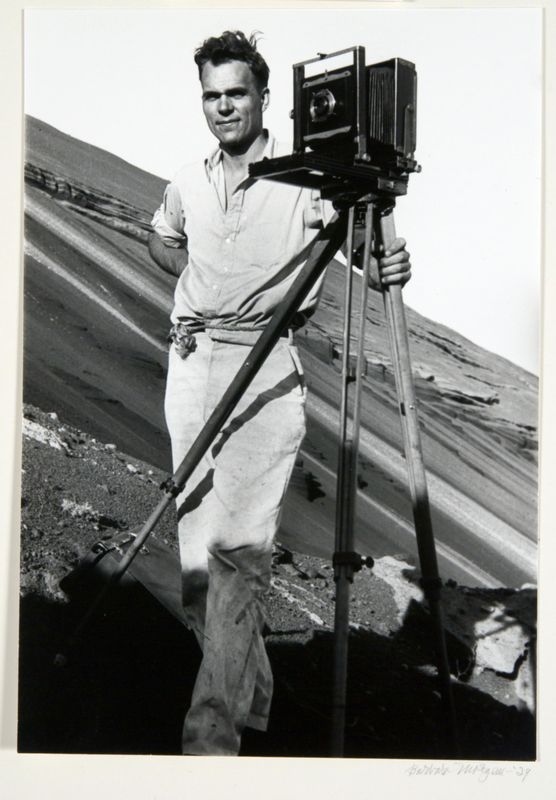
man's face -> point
(233, 104)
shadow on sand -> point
(127, 685)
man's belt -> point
(182, 335)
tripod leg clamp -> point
(351, 559)
(170, 487)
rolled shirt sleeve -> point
(168, 220)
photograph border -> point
(161, 777)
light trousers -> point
(229, 514)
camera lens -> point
(322, 105)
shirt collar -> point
(215, 157)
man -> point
(237, 245)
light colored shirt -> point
(243, 254)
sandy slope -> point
(96, 316)
(95, 324)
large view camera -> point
(354, 127)
(365, 111)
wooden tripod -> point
(379, 220)
(326, 245)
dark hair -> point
(233, 46)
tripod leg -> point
(344, 557)
(344, 444)
(341, 607)
(432, 585)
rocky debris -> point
(283, 588)
(67, 506)
(400, 577)
(499, 627)
(84, 510)
(495, 627)
(33, 430)
(74, 500)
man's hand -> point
(394, 266)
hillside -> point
(96, 317)
(95, 450)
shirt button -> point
(228, 240)
(215, 286)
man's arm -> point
(170, 259)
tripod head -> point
(340, 179)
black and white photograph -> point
(281, 331)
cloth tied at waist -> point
(182, 335)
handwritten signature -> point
(482, 772)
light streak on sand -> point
(101, 257)
(283, 588)
(483, 530)
(388, 520)
(47, 262)
(479, 523)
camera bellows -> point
(392, 95)
(366, 113)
